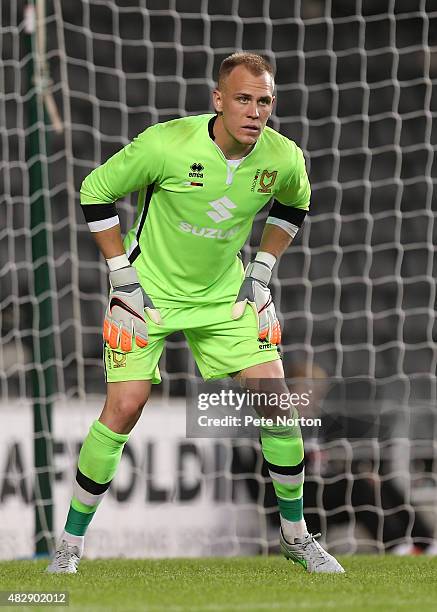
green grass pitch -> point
(232, 584)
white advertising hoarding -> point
(171, 496)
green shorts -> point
(219, 345)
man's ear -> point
(217, 100)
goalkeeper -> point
(201, 181)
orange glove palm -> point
(255, 292)
(124, 316)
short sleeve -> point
(295, 191)
(138, 164)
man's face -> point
(246, 102)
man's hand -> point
(124, 317)
(255, 292)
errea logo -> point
(221, 212)
(196, 170)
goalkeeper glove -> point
(255, 292)
(124, 317)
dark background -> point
(356, 292)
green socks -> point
(283, 452)
(98, 461)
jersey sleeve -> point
(296, 190)
(138, 164)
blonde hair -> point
(256, 64)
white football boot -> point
(308, 552)
(66, 559)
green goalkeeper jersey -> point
(195, 207)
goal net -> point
(355, 292)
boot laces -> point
(314, 550)
(67, 556)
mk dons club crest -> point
(266, 181)
(118, 360)
(115, 359)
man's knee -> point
(269, 391)
(124, 404)
(129, 405)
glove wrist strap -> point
(124, 276)
(261, 268)
(266, 258)
(118, 262)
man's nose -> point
(253, 111)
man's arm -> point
(124, 318)
(279, 231)
(285, 218)
(110, 242)
(254, 290)
(275, 240)
(135, 166)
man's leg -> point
(98, 461)
(282, 448)
(283, 455)
(222, 346)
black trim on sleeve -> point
(137, 250)
(95, 488)
(286, 470)
(296, 216)
(98, 212)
